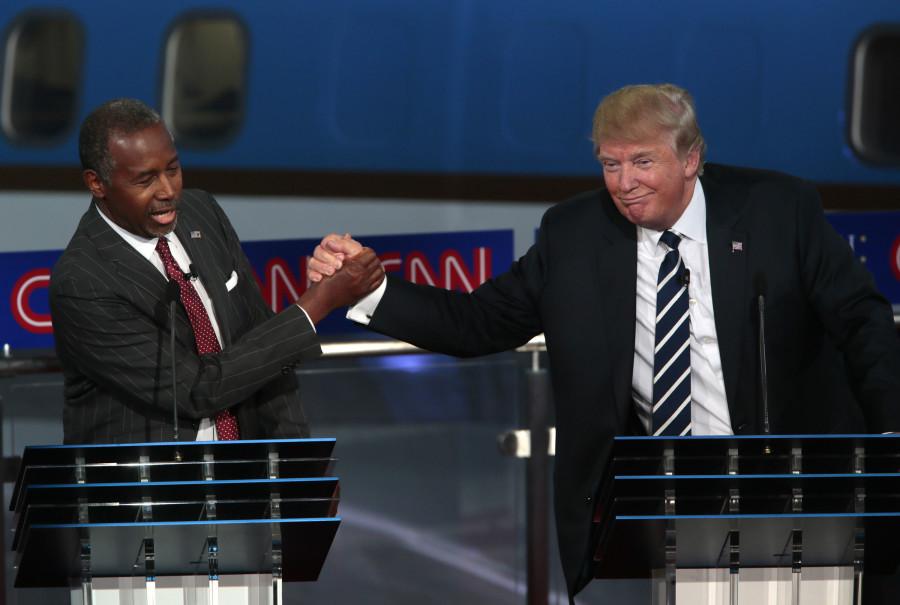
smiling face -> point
(650, 183)
(144, 187)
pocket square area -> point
(232, 281)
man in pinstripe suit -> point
(109, 299)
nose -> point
(166, 190)
(627, 177)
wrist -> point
(312, 306)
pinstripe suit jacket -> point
(110, 318)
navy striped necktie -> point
(672, 353)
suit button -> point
(740, 428)
(588, 500)
(285, 369)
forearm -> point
(454, 323)
(266, 352)
(126, 353)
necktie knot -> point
(162, 246)
(172, 269)
(670, 239)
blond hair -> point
(645, 111)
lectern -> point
(146, 510)
(749, 501)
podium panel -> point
(749, 502)
(151, 510)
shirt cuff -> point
(308, 319)
(362, 311)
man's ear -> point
(692, 163)
(94, 183)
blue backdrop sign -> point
(875, 238)
(459, 261)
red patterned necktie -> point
(204, 335)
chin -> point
(158, 231)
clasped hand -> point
(342, 272)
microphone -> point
(686, 277)
(759, 284)
(173, 294)
(191, 273)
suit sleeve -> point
(499, 315)
(126, 352)
(857, 318)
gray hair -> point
(116, 117)
(644, 111)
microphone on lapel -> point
(173, 295)
(191, 273)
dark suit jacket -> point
(831, 337)
(110, 318)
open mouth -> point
(164, 216)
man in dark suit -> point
(594, 284)
(110, 296)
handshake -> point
(342, 272)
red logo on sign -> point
(895, 258)
(20, 302)
(281, 286)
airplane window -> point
(42, 63)
(203, 79)
(874, 125)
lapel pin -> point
(196, 235)
(737, 247)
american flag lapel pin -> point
(195, 235)
(737, 247)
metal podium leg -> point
(859, 538)
(87, 594)
(277, 569)
(670, 564)
(275, 515)
(734, 536)
(857, 585)
(734, 568)
(150, 570)
(212, 552)
(148, 545)
(796, 534)
(796, 565)
(671, 535)
(212, 541)
(277, 595)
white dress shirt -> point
(146, 247)
(709, 409)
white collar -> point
(691, 224)
(145, 246)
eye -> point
(173, 169)
(643, 162)
(609, 165)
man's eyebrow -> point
(143, 174)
